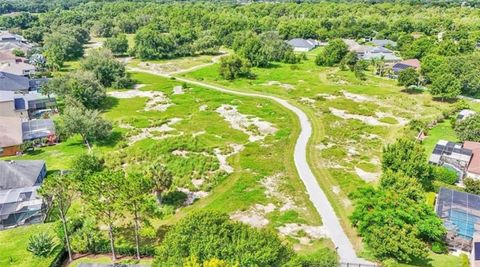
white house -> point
(303, 45)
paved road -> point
(317, 196)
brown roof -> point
(10, 131)
(474, 166)
(414, 63)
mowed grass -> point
(441, 131)
(14, 242)
(108, 260)
(177, 63)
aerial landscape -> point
(239, 133)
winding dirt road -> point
(317, 196)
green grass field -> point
(441, 131)
(13, 251)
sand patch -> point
(198, 182)
(222, 158)
(254, 127)
(323, 146)
(367, 176)
(357, 98)
(307, 100)
(178, 90)
(203, 107)
(366, 119)
(157, 100)
(255, 216)
(272, 184)
(336, 190)
(293, 229)
(277, 83)
(327, 96)
(192, 196)
(151, 132)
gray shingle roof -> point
(304, 43)
(20, 173)
(12, 82)
(384, 42)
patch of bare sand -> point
(192, 196)
(272, 189)
(157, 100)
(254, 127)
(367, 176)
(366, 119)
(277, 83)
(151, 132)
(222, 158)
(255, 216)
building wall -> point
(10, 151)
(7, 109)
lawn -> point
(13, 251)
(441, 131)
(108, 259)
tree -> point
(160, 177)
(104, 66)
(85, 165)
(149, 44)
(408, 77)
(445, 87)
(117, 44)
(61, 190)
(350, 60)
(400, 183)
(472, 186)
(101, 192)
(87, 123)
(409, 158)
(332, 54)
(135, 194)
(359, 71)
(468, 129)
(206, 235)
(232, 67)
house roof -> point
(12, 82)
(17, 68)
(474, 166)
(304, 43)
(409, 63)
(381, 55)
(10, 46)
(7, 56)
(20, 173)
(10, 131)
(7, 36)
(384, 42)
(450, 149)
(6, 96)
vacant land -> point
(352, 120)
(13, 251)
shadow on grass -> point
(412, 91)
(37, 151)
(112, 140)
(110, 102)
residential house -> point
(453, 156)
(20, 203)
(18, 67)
(355, 47)
(9, 107)
(465, 113)
(7, 37)
(303, 45)
(11, 136)
(10, 42)
(14, 83)
(405, 64)
(384, 42)
(380, 53)
(473, 169)
(39, 129)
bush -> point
(41, 245)
(445, 175)
(439, 247)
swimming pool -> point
(462, 222)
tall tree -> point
(232, 67)
(87, 123)
(61, 190)
(333, 53)
(138, 201)
(445, 87)
(468, 129)
(104, 66)
(101, 192)
(117, 44)
(408, 77)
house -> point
(9, 107)
(10, 46)
(460, 213)
(15, 83)
(473, 169)
(383, 42)
(452, 155)
(465, 113)
(355, 47)
(20, 203)
(7, 37)
(18, 67)
(403, 65)
(11, 136)
(38, 129)
(379, 53)
(303, 45)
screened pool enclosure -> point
(460, 212)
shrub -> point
(439, 247)
(41, 245)
(445, 175)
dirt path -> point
(317, 196)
